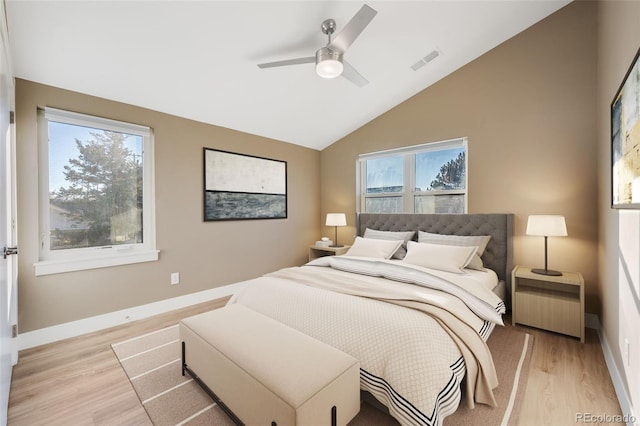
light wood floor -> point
(79, 381)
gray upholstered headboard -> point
(499, 252)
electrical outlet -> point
(175, 278)
(627, 355)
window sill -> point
(48, 267)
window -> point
(429, 178)
(96, 192)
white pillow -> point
(369, 247)
(476, 263)
(479, 241)
(437, 256)
(405, 236)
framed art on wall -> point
(625, 141)
(239, 186)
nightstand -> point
(554, 303)
(317, 251)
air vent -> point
(425, 60)
(418, 65)
(431, 56)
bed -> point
(417, 324)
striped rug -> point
(153, 364)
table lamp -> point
(546, 226)
(336, 219)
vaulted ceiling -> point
(198, 59)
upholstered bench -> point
(267, 373)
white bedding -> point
(479, 298)
(375, 310)
(486, 278)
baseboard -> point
(55, 333)
(629, 417)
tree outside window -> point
(100, 200)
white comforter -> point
(411, 362)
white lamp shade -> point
(546, 225)
(336, 219)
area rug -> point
(152, 362)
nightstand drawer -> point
(549, 310)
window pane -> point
(95, 187)
(383, 205)
(441, 170)
(385, 175)
(449, 203)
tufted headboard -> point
(497, 256)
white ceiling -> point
(197, 59)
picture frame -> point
(243, 187)
(625, 140)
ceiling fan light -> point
(329, 63)
(329, 68)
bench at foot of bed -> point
(266, 373)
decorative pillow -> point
(479, 241)
(394, 236)
(370, 247)
(438, 256)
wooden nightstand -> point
(548, 302)
(317, 251)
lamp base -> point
(550, 272)
(336, 245)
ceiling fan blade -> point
(354, 27)
(350, 73)
(307, 60)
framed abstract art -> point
(241, 187)
(625, 141)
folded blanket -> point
(479, 299)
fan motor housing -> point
(327, 53)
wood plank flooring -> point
(566, 378)
(79, 381)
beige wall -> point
(528, 110)
(207, 254)
(619, 231)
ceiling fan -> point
(329, 60)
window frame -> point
(77, 259)
(409, 193)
